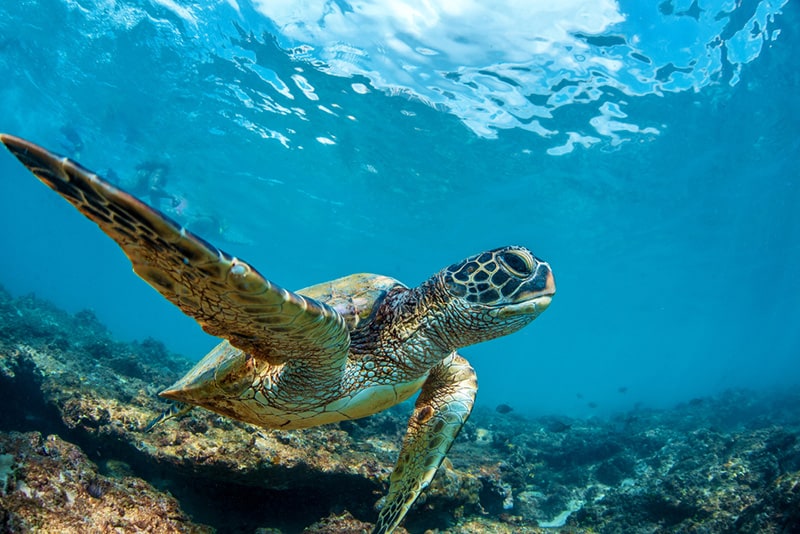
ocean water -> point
(649, 151)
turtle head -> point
(496, 292)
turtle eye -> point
(516, 263)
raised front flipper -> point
(225, 295)
(441, 410)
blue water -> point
(648, 151)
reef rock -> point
(48, 485)
(65, 374)
(728, 463)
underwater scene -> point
(400, 266)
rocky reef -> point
(73, 454)
(49, 485)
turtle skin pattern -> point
(225, 295)
(332, 338)
(440, 412)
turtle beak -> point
(546, 294)
(536, 297)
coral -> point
(343, 523)
(53, 487)
(728, 463)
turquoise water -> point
(648, 151)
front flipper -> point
(441, 410)
(224, 294)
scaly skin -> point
(441, 410)
(339, 350)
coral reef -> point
(48, 485)
(729, 463)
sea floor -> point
(74, 457)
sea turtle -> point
(339, 350)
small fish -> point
(623, 389)
(504, 408)
(592, 405)
(558, 427)
(176, 409)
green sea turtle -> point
(339, 350)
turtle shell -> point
(354, 297)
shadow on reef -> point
(24, 408)
(72, 454)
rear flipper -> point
(441, 410)
(176, 409)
